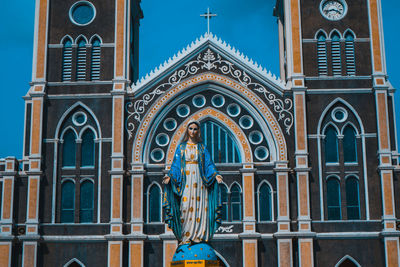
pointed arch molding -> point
(167, 95)
(208, 60)
(244, 146)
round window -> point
(162, 139)
(79, 118)
(199, 101)
(170, 124)
(82, 13)
(183, 110)
(218, 101)
(233, 110)
(261, 153)
(339, 114)
(256, 137)
(246, 122)
(157, 155)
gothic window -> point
(236, 203)
(78, 158)
(321, 54)
(154, 203)
(349, 52)
(352, 198)
(224, 201)
(347, 261)
(331, 145)
(95, 59)
(81, 60)
(67, 60)
(67, 201)
(220, 143)
(265, 203)
(333, 199)
(86, 202)
(349, 145)
(87, 149)
(336, 55)
(69, 149)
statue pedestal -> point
(199, 255)
(197, 263)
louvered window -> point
(336, 57)
(95, 60)
(81, 61)
(321, 53)
(350, 57)
(67, 60)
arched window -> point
(352, 198)
(67, 202)
(86, 202)
(336, 55)
(69, 149)
(95, 60)
(220, 143)
(224, 201)
(236, 203)
(331, 145)
(87, 149)
(265, 203)
(349, 145)
(67, 60)
(350, 56)
(81, 60)
(154, 204)
(333, 199)
(347, 261)
(321, 54)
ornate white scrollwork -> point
(209, 61)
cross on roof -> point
(208, 16)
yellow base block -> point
(197, 263)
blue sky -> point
(167, 27)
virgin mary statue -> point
(192, 202)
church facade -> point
(309, 159)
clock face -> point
(333, 9)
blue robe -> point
(174, 189)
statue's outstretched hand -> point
(219, 178)
(166, 179)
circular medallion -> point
(256, 137)
(183, 110)
(218, 101)
(162, 139)
(82, 13)
(233, 110)
(333, 9)
(246, 122)
(79, 118)
(157, 155)
(261, 153)
(199, 101)
(339, 114)
(170, 124)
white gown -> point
(194, 215)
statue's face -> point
(193, 130)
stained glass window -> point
(69, 149)
(333, 197)
(264, 201)
(220, 143)
(86, 202)
(154, 204)
(87, 149)
(349, 145)
(67, 202)
(331, 145)
(352, 198)
(236, 203)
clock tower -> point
(332, 58)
